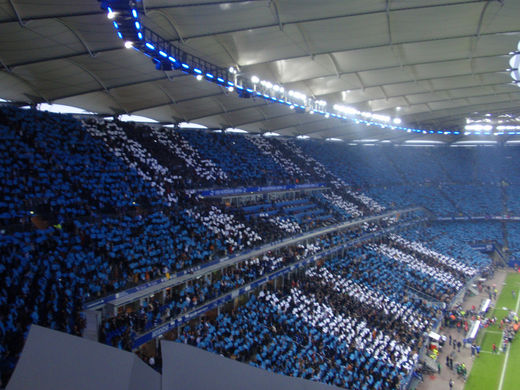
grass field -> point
(488, 369)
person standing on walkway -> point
(451, 383)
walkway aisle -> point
(441, 381)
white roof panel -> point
(437, 59)
(435, 23)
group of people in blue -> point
(90, 207)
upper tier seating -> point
(240, 159)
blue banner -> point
(484, 248)
(249, 190)
(481, 218)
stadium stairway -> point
(455, 206)
(505, 211)
(398, 169)
(92, 321)
(502, 258)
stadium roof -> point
(431, 62)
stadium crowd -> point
(90, 207)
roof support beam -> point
(389, 28)
(91, 74)
(169, 20)
(475, 38)
(28, 83)
(77, 35)
(481, 18)
(18, 16)
(226, 49)
(166, 93)
(220, 104)
(363, 87)
(382, 88)
(6, 68)
(307, 42)
(172, 102)
(98, 81)
(261, 112)
(276, 9)
(335, 65)
(405, 97)
(430, 85)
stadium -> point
(282, 194)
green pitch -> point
(488, 370)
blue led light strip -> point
(125, 15)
